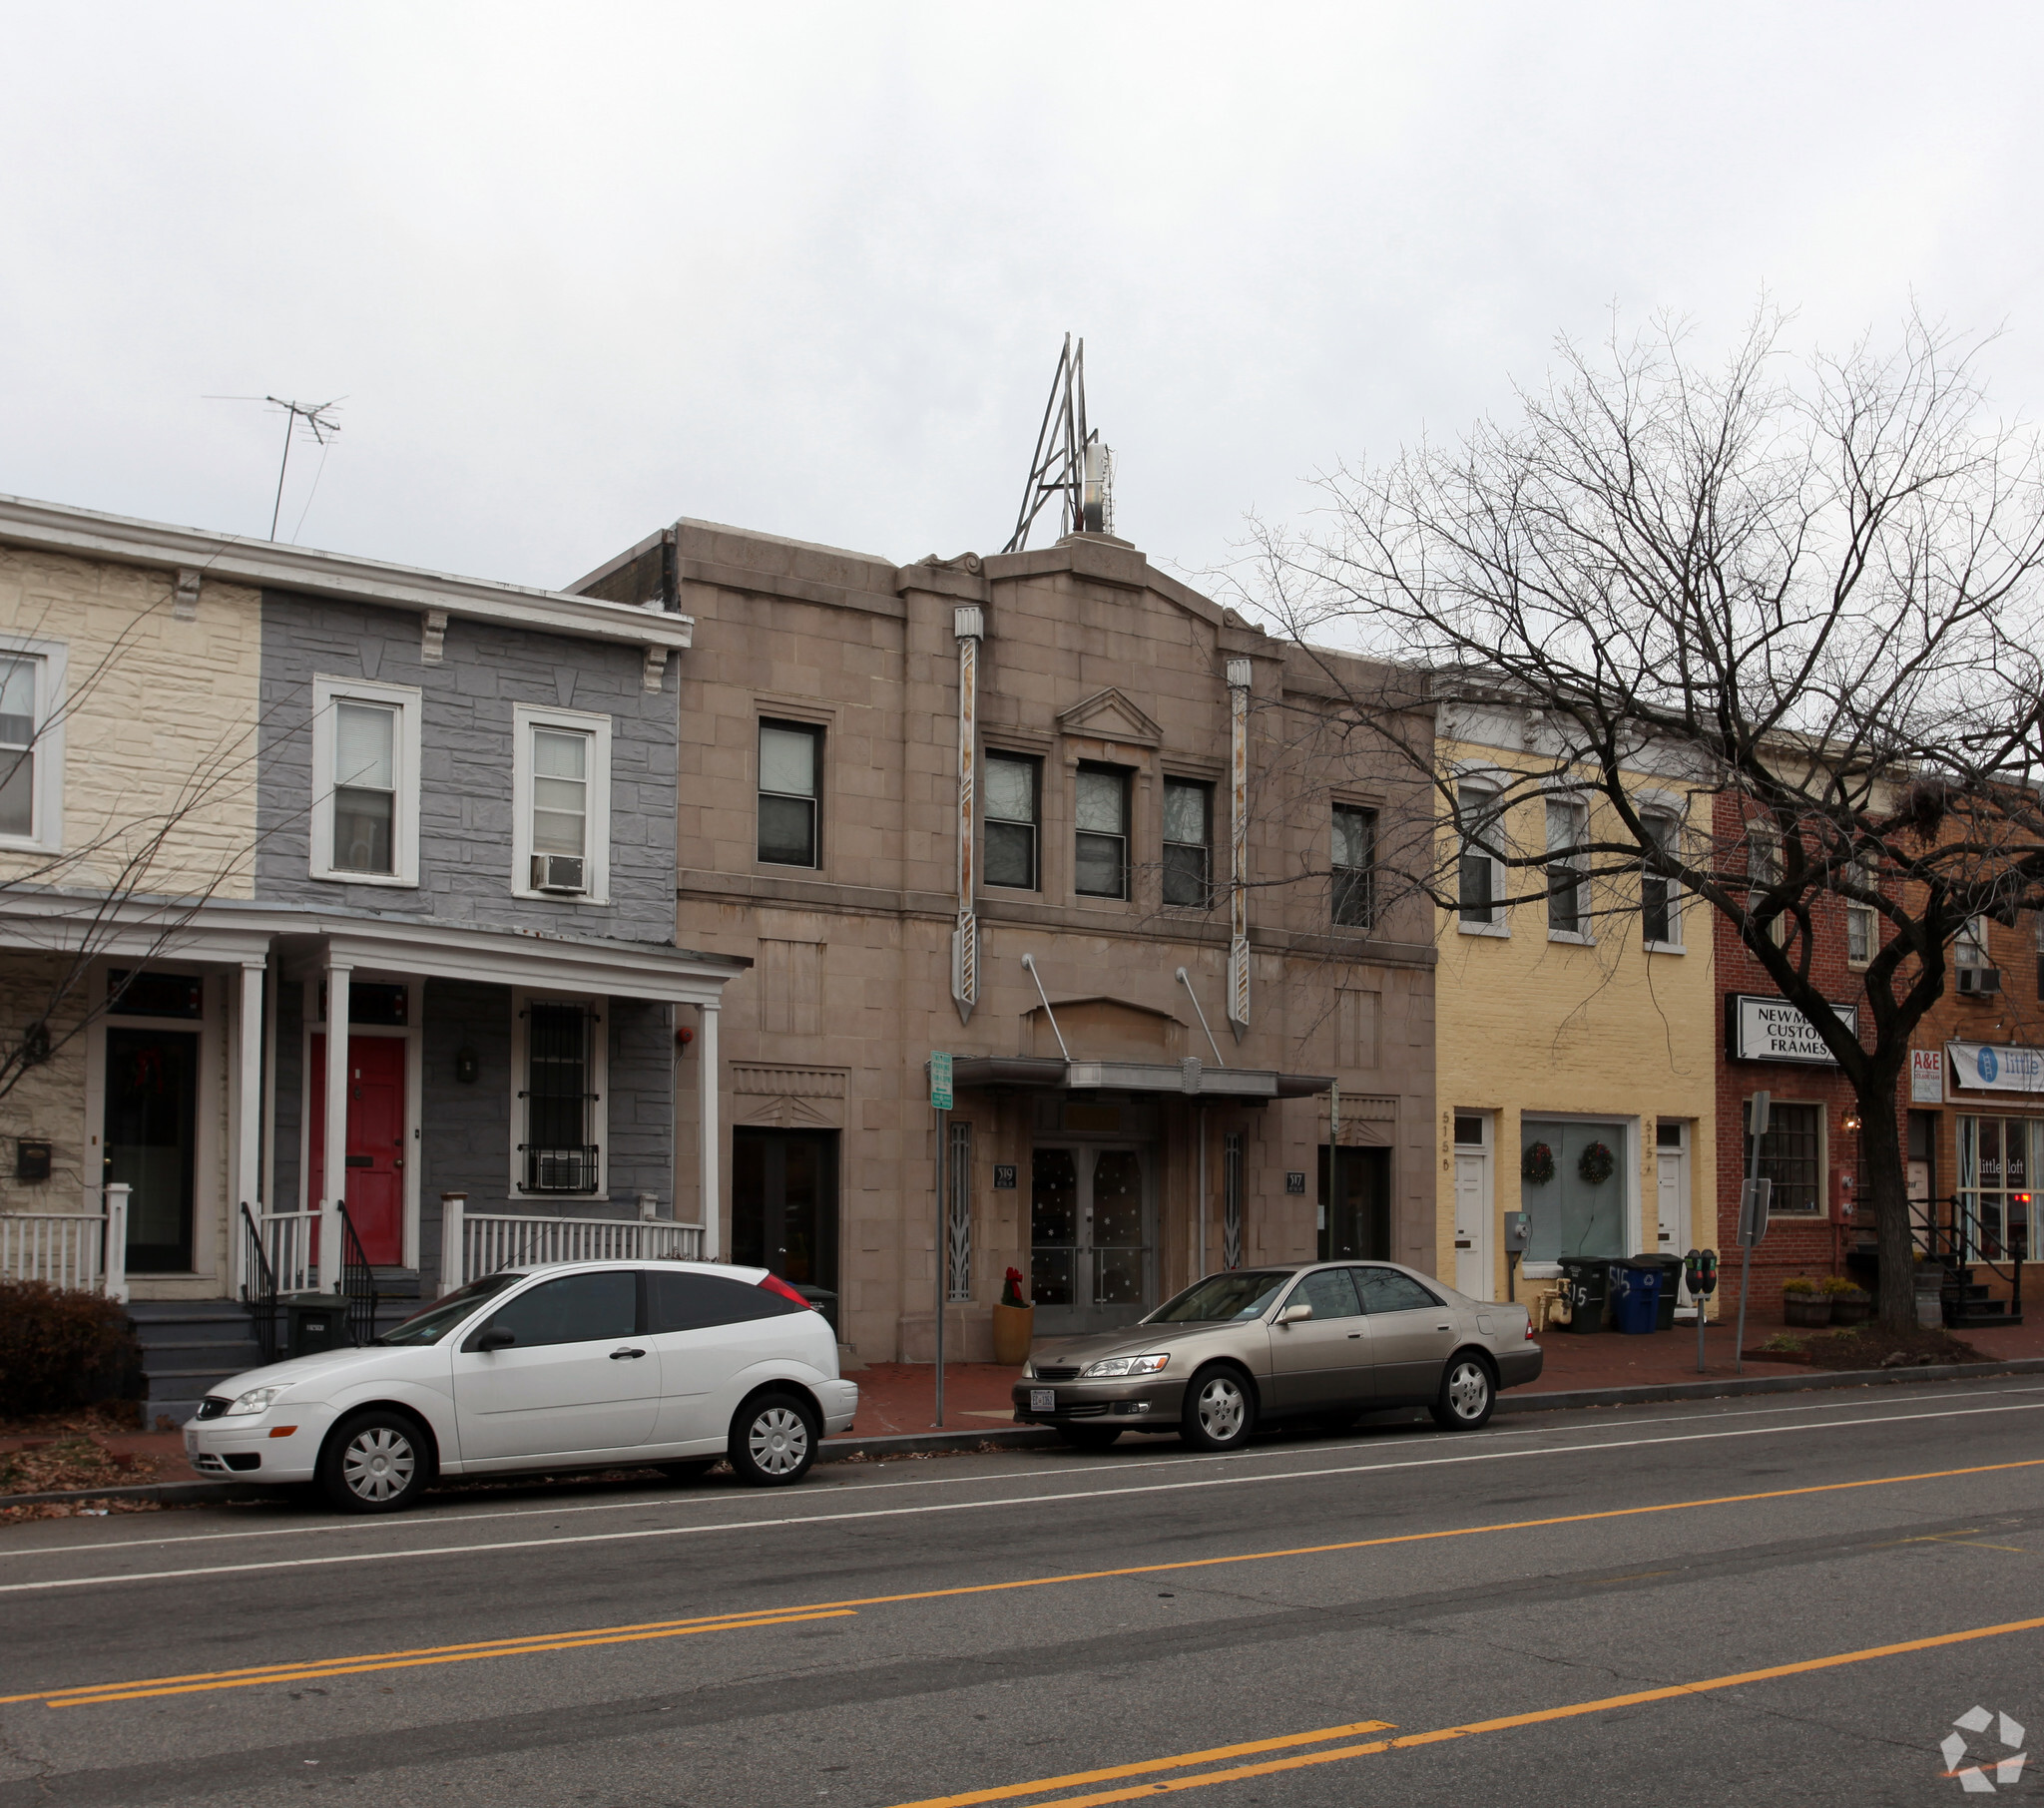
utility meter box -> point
(1518, 1230)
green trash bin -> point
(316, 1322)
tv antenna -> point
(319, 420)
(1071, 464)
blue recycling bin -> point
(1634, 1299)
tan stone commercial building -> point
(1062, 817)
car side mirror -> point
(1292, 1314)
(497, 1337)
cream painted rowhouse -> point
(253, 791)
(1066, 819)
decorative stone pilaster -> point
(968, 625)
(1239, 673)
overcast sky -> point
(578, 271)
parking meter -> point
(1518, 1229)
(1700, 1270)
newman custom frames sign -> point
(1770, 1028)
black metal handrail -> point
(263, 1306)
(357, 1282)
(1963, 1240)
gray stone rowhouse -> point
(381, 755)
(1105, 1141)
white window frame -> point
(1675, 813)
(1969, 944)
(525, 717)
(599, 1082)
(1492, 782)
(47, 827)
(408, 701)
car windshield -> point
(443, 1315)
(1247, 1293)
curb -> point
(1024, 1437)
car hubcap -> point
(378, 1463)
(1221, 1409)
(1468, 1390)
(778, 1440)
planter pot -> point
(1812, 1310)
(1845, 1310)
(1014, 1326)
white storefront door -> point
(1472, 1205)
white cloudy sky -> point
(581, 269)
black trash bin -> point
(316, 1322)
(1670, 1281)
(1588, 1281)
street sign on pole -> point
(1754, 1199)
(941, 1080)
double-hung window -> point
(1863, 921)
(1012, 791)
(1660, 919)
(365, 792)
(560, 1064)
(790, 788)
(1187, 843)
(1354, 866)
(1100, 863)
(1567, 901)
(1477, 889)
(1969, 946)
(31, 744)
(1763, 872)
(561, 787)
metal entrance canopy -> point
(1189, 1078)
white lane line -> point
(1034, 1500)
(640, 1502)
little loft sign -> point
(1768, 1028)
(1997, 1069)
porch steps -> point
(188, 1347)
(1968, 1306)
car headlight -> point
(1125, 1365)
(255, 1400)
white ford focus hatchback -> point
(581, 1365)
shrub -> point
(61, 1347)
(1838, 1287)
(1799, 1285)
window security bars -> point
(958, 1215)
(558, 1156)
(1187, 843)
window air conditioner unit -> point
(565, 873)
(1979, 982)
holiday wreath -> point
(1536, 1166)
(1596, 1165)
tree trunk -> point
(1883, 1185)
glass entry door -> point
(1090, 1237)
(784, 1208)
(150, 1136)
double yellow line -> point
(317, 1670)
(1238, 1773)
(84, 1695)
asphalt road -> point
(1733, 1601)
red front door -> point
(375, 1142)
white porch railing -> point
(82, 1250)
(475, 1243)
(287, 1241)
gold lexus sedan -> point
(1303, 1340)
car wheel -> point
(773, 1440)
(375, 1462)
(1220, 1410)
(682, 1474)
(1090, 1437)
(1467, 1395)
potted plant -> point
(1014, 1323)
(1803, 1304)
(1851, 1304)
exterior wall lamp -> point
(1851, 1120)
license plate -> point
(1043, 1399)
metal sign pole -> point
(1751, 1219)
(940, 1102)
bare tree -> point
(1808, 588)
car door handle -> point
(620, 1355)
(1444, 1327)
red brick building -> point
(1811, 1150)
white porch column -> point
(333, 1150)
(710, 1183)
(244, 1185)
(114, 1266)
